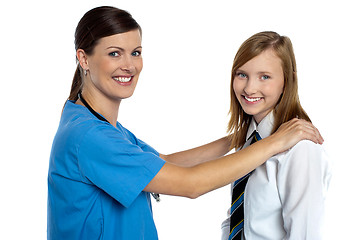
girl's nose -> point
(251, 87)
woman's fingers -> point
(295, 130)
(309, 131)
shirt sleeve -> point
(140, 143)
(303, 181)
(225, 227)
(146, 148)
(114, 164)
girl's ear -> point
(82, 58)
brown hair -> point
(95, 24)
(288, 106)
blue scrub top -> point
(97, 174)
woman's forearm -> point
(200, 154)
(220, 172)
(194, 181)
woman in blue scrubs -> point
(100, 174)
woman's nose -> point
(127, 64)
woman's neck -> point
(101, 104)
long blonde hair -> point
(289, 105)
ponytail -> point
(77, 84)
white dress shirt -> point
(285, 196)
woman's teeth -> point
(122, 79)
(252, 99)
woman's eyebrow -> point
(121, 49)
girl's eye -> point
(242, 75)
(265, 77)
(114, 54)
(136, 53)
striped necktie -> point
(237, 208)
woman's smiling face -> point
(259, 83)
(115, 64)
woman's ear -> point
(82, 58)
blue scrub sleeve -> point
(140, 143)
(113, 163)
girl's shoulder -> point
(306, 146)
(304, 151)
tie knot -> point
(255, 137)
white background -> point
(182, 98)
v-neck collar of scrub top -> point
(88, 111)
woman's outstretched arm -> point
(197, 180)
(221, 146)
(200, 154)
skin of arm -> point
(200, 154)
(199, 179)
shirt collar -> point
(264, 128)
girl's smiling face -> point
(259, 83)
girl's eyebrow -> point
(240, 70)
(264, 73)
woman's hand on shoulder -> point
(293, 131)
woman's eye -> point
(136, 53)
(114, 54)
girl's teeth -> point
(252, 99)
(122, 79)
